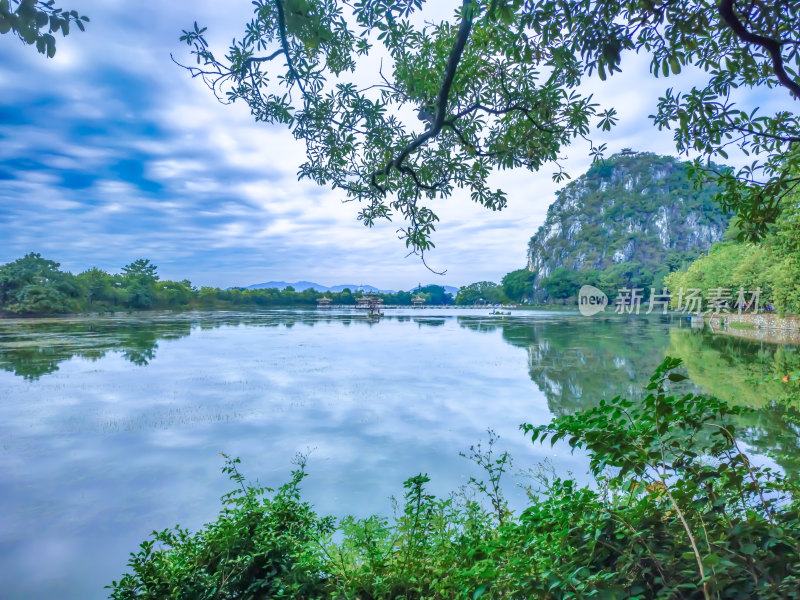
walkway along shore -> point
(762, 326)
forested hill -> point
(633, 209)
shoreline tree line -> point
(36, 286)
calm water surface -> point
(111, 427)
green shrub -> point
(262, 545)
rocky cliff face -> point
(634, 208)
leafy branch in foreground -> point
(498, 88)
(682, 450)
(486, 96)
(677, 512)
(739, 44)
(35, 22)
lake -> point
(110, 427)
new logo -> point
(591, 300)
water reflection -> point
(576, 363)
(109, 427)
(32, 348)
(96, 450)
(739, 370)
(749, 373)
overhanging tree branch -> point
(442, 99)
(772, 46)
(285, 47)
(499, 89)
(246, 64)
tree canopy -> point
(35, 22)
(499, 87)
(518, 284)
(33, 284)
(480, 292)
(772, 266)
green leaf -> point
(50, 41)
(748, 549)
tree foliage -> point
(35, 285)
(772, 265)
(35, 22)
(498, 87)
(481, 292)
(477, 86)
(434, 295)
(563, 283)
(518, 285)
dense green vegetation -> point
(518, 284)
(563, 284)
(515, 286)
(676, 511)
(626, 223)
(33, 285)
(772, 265)
(481, 292)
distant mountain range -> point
(299, 286)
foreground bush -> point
(677, 511)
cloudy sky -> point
(110, 152)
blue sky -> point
(110, 152)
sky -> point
(110, 152)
